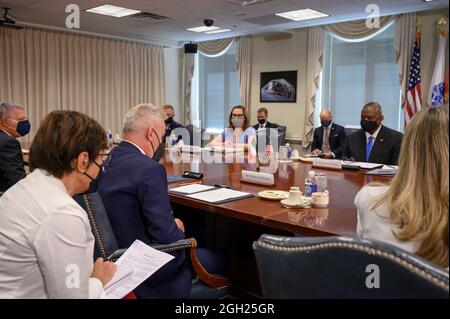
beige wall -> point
(281, 55)
(173, 67)
(291, 54)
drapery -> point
(244, 68)
(47, 70)
(314, 68)
(357, 30)
(405, 34)
(215, 47)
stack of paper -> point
(139, 262)
(191, 189)
(219, 195)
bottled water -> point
(289, 151)
(109, 137)
(310, 184)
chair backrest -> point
(105, 239)
(271, 135)
(191, 129)
(338, 267)
(349, 130)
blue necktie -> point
(369, 146)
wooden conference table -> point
(233, 226)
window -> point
(355, 73)
(216, 90)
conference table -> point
(233, 226)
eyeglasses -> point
(237, 115)
(106, 161)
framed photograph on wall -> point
(278, 87)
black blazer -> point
(385, 150)
(268, 125)
(11, 161)
(337, 139)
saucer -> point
(306, 203)
(273, 194)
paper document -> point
(218, 195)
(139, 262)
(191, 189)
(364, 165)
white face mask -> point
(237, 122)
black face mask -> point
(94, 181)
(368, 126)
(261, 121)
(325, 123)
(168, 120)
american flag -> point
(413, 95)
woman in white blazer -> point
(46, 244)
(412, 211)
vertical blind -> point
(218, 89)
(355, 73)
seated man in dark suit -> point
(133, 188)
(262, 114)
(329, 139)
(171, 124)
(374, 143)
(13, 124)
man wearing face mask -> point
(13, 124)
(263, 123)
(134, 191)
(374, 143)
(171, 124)
(329, 139)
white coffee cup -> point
(295, 196)
(320, 199)
(295, 154)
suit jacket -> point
(173, 125)
(134, 192)
(11, 161)
(268, 125)
(336, 140)
(385, 150)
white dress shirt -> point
(374, 135)
(376, 223)
(46, 244)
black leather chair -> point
(193, 129)
(204, 286)
(338, 267)
(271, 135)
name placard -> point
(327, 163)
(258, 178)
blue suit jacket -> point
(134, 192)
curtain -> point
(405, 34)
(215, 47)
(188, 73)
(357, 30)
(244, 68)
(316, 38)
(48, 70)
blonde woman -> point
(412, 211)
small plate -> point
(296, 159)
(285, 161)
(306, 203)
(306, 159)
(273, 194)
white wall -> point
(173, 65)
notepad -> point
(138, 263)
(220, 195)
(190, 189)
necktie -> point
(369, 147)
(326, 140)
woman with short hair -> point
(46, 244)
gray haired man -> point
(13, 124)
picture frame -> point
(278, 87)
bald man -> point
(329, 138)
